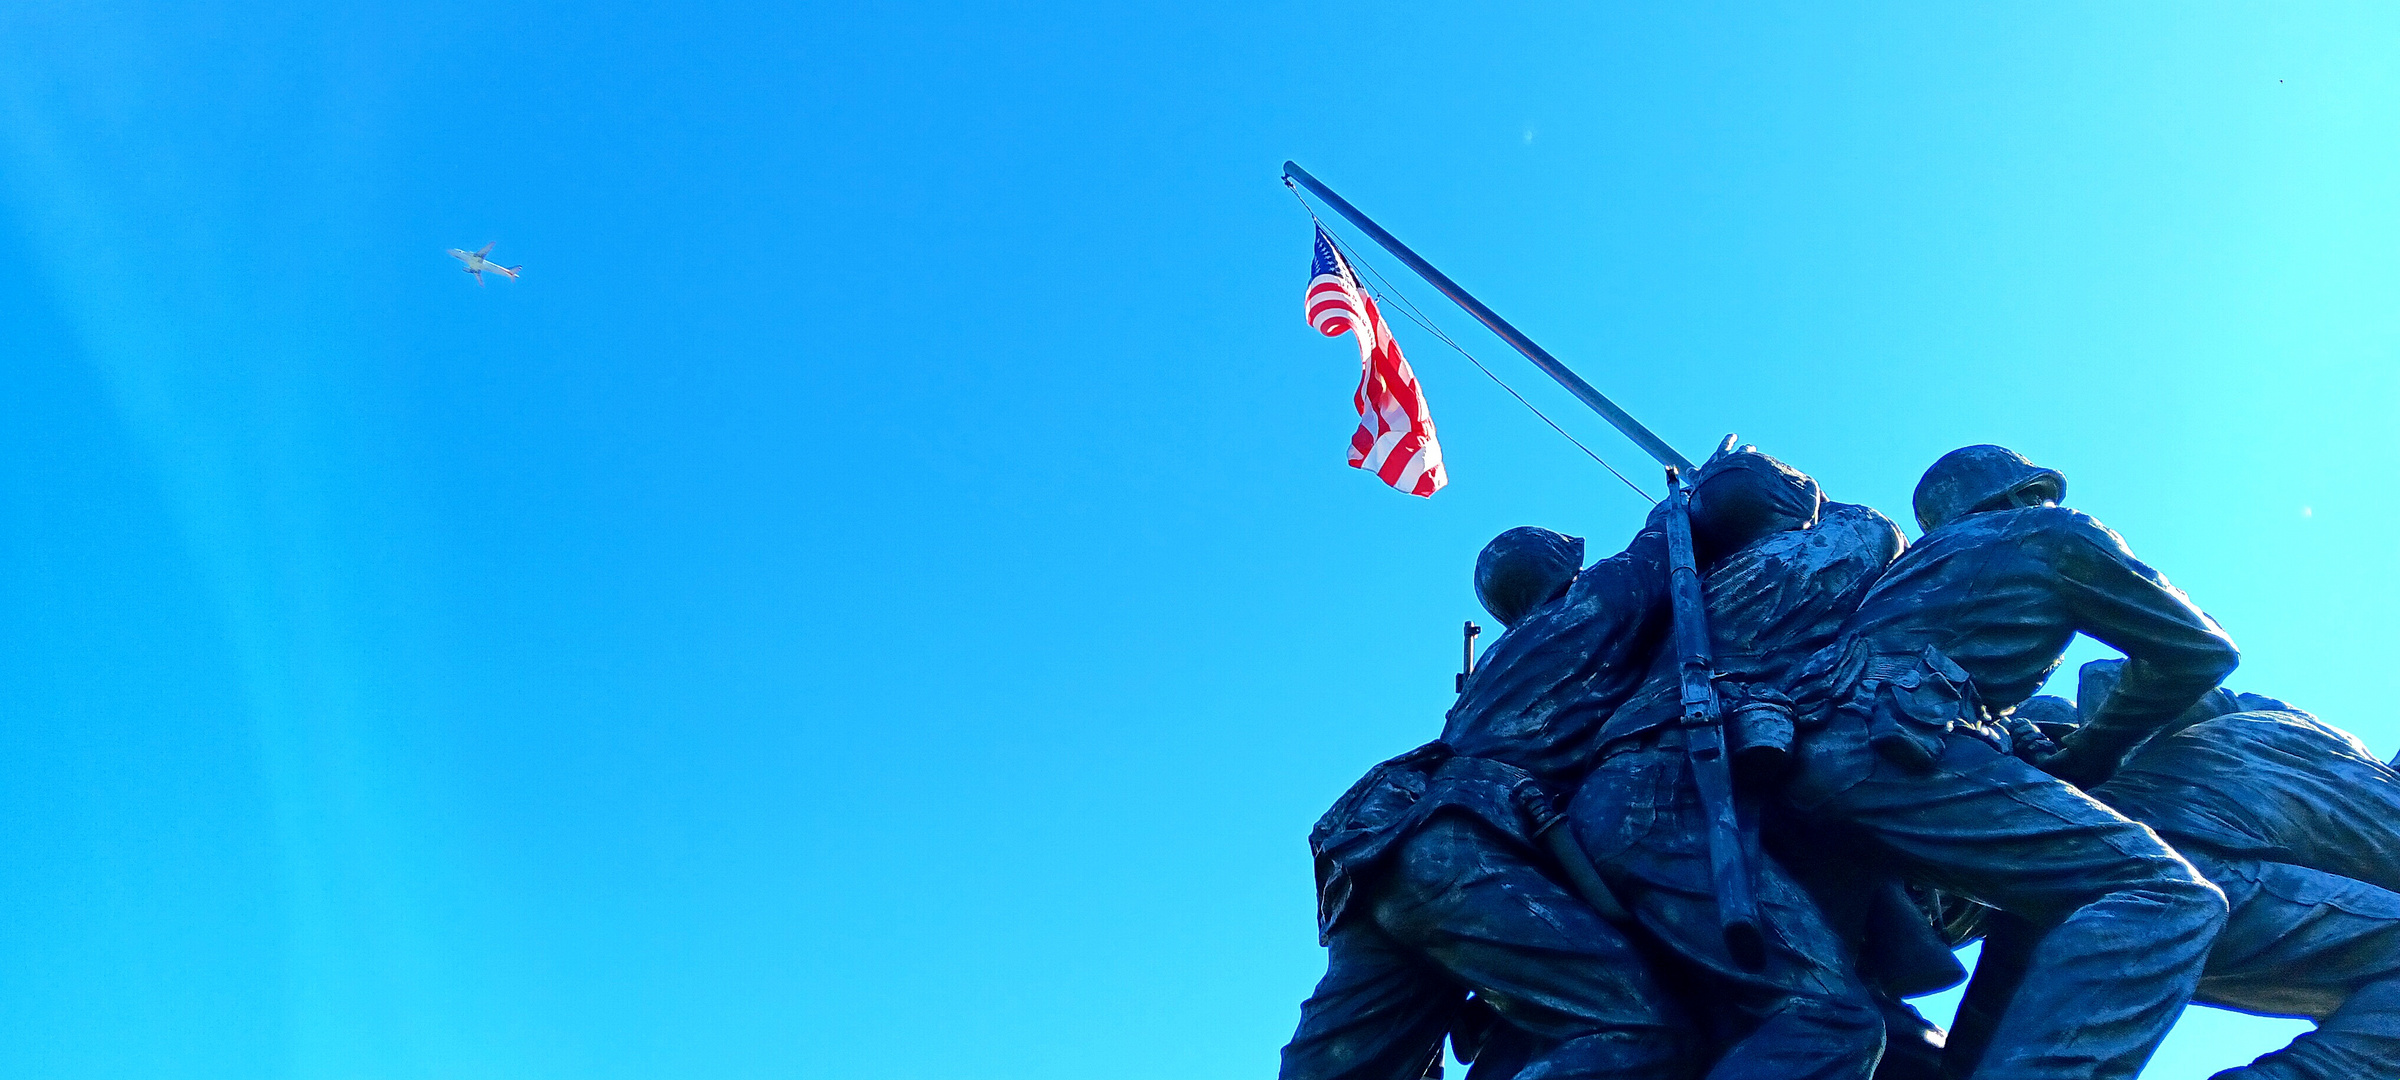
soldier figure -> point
(2300, 825)
(1905, 746)
(1801, 1012)
(1430, 881)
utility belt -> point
(1759, 733)
(1910, 702)
(1443, 776)
(1537, 812)
(1397, 797)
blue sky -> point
(882, 595)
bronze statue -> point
(1873, 695)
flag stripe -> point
(1395, 438)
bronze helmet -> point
(1524, 568)
(1985, 477)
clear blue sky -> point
(883, 596)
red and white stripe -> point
(1395, 439)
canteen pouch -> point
(1759, 731)
(1912, 702)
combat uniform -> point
(1429, 881)
(2300, 826)
(1804, 1013)
(1905, 751)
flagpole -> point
(1550, 365)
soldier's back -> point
(1995, 592)
(2278, 785)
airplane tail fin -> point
(511, 271)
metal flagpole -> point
(1550, 365)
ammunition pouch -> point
(1911, 701)
(1760, 728)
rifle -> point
(1466, 666)
(1704, 734)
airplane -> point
(477, 264)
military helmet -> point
(1973, 478)
(1524, 568)
(1742, 495)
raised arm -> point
(2174, 651)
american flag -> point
(1395, 430)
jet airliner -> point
(477, 264)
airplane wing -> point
(487, 249)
